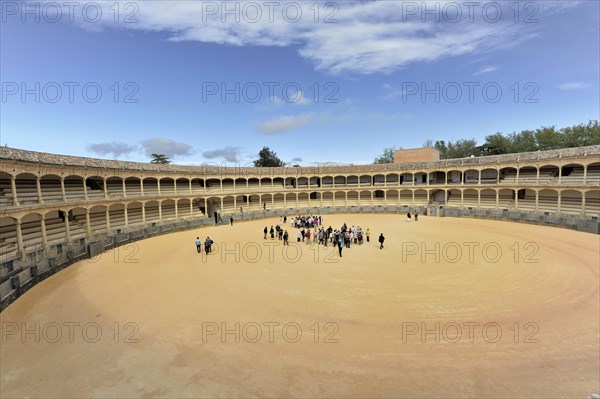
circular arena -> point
(492, 293)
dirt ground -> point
(449, 308)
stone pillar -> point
(124, 189)
(537, 200)
(105, 188)
(583, 212)
(518, 169)
(142, 186)
(13, 187)
(43, 229)
(205, 207)
(190, 181)
(38, 186)
(160, 210)
(537, 180)
(67, 227)
(125, 213)
(85, 193)
(559, 201)
(585, 170)
(158, 185)
(191, 207)
(88, 224)
(107, 220)
(479, 178)
(516, 198)
(478, 198)
(176, 209)
(497, 199)
(234, 201)
(62, 188)
(413, 197)
(20, 238)
(144, 213)
(462, 201)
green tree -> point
(440, 145)
(548, 138)
(160, 159)
(495, 144)
(386, 157)
(462, 148)
(267, 158)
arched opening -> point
(114, 186)
(51, 190)
(6, 197)
(133, 187)
(527, 175)
(278, 201)
(302, 182)
(570, 202)
(454, 198)
(167, 208)
(379, 180)
(421, 197)
(8, 236)
(77, 223)
(74, 187)
(95, 187)
(31, 232)
(227, 184)
(488, 198)
(550, 172)
(228, 204)
(152, 211)
(420, 178)
(508, 175)
(98, 219)
(506, 198)
(315, 181)
(197, 185)
(391, 179)
(55, 226)
(489, 176)
(253, 184)
(134, 213)
(571, 174)
(391, 197)
(27, 188)
(352, 181)
(471, 176)
(365, 198)
(267, 183)
(290, 200)
(470, 198)
(254, 202)
(526, 200)
(116, 213)
(150, 186)
(437, 177)
(327, 199)
(182, 185)
(406, 197)
(406, 179)
(593, 174)
(547, 201)
(352, 198)
(339, 198)
(167, 186)
(592, 203)
(213, 185)
(339, 181)
(327, 182)
(454, 177)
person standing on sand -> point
(198, 244)
(231, 220)
(416, 216)
(284, 219)
(368, 234)
(272, 231)
(340, 247)
(299, 235)
(285, 238)
(265, 231)
(381, 240)
(408, 216)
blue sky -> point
(386, 73)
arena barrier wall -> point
(19, 275)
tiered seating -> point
(150, 187)
(488, 199)
(182, 186)
(570, 203)
(152, 211)
(228, 205)
(134, 214)
(228, 185)
(392, 197)
(327, 199)
(421, 197)
(278, 201)
(470, 199)
(365, 198)
(592, 204)
(74, 190)
(593, 175)
(133, 188)
(98, 220)
(8, 231)
(167, 187)
(114, 188)
(117, 217)
(405, 197)
(546, 203)
(168, 209)
(510, 177)
(303, 200)
(352, 198)
(55, 230)
(51, 190)
(5, 193)
(505, 200)
(77, 226)
(27, 191)
(546, 176)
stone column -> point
(85, 193)
(160, 210)
(125, 213)
(105, 187)
(43, 229)
(13, 187)
(559, 201)
(38, 186)
(158, 185)
(142, 186)
(583, 212)
(144, 213)
(88, 224)
(190, 186)
(537, 200)
(497, 199)
(191, 207)
(124, 189)
(20, 238)
(585, 169)
(107, 220)
(62, 188)
(67, 227)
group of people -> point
(207, 245)
(309, 221)
(416, 214)
(279, 232)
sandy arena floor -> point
(507, 311)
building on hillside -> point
(416, 155)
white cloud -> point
(370, 37)
(486, 69)
(390, 92)
(167, 147)
(573, 86)
(284, 123)
(229, 154)
(114, 149)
